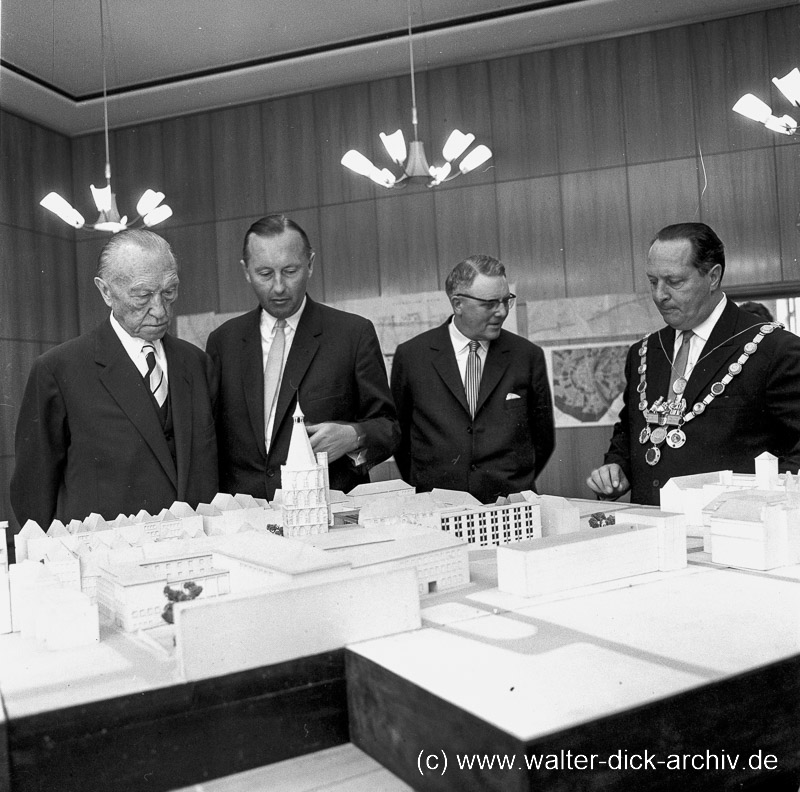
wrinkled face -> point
(278, 269)
(141, 288)
(684, 296)
(477, 320)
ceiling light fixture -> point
(413, 163)
(752, 107)
(149, 209)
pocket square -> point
(510, 396)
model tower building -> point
(304, 485)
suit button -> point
(656, 483)
(270, 472)
(469, 430)
(473, 467)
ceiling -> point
(171, 57)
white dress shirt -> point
(133, 346)
(461, 348)
(701, 334)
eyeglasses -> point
(492, 305)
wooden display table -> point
(700, 662)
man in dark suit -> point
(292, 349)
(712, 390)
(121, 418)
(473, 399)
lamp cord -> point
(105, 92)
(413, 83)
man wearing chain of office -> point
(712, 390)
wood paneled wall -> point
(38, 283)
(596, 146)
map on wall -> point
(396, 318)
(614, 316)
(587, 382)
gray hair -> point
(146, 241)
(465, 272)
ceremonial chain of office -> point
(663, 414)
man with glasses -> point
(473, 399)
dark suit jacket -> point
(758, 411)
(89, 438)
(509, 441)
(336, 368)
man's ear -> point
(311, 263)
(104, 290)
(245, 270)
(715, 276)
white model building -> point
(131, 593)
(304, 485)
(228, 514)
(497, 524)
(366, 493)
(558, 563)
(754, 529)
(512, 519)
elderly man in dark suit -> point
(292, 349)
(473, 399)
(710, 391)
(119, 419)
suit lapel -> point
(253, 376)
(660, 347)
(497, 360)
(122, 380)
(721, 345)
(304, 347)
(444, 362)
(180, 395)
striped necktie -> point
(472, 380)
(155, 378)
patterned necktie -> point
(155, 378)
(272, 373)
(679, 368)
(472, 380)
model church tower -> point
(304, 485)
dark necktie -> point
(472, 379)
(155, 378)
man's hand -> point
(337, 439)
(608, 481)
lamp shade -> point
(357, 162)
(157, 215)
(457, 144)
(752, 107)
(150, 200)
(475, 158)
(789, 86)
(786, 125)
(58, 206)
(395, 145)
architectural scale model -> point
(754, 529)
(746, 520)
(304, 485)
(690, 494)
(511, 519)
(561, 562)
